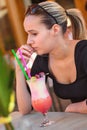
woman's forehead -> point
(32, 22)
(32, 18)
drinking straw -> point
(21, 66)
(24, 63)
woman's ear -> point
(55, 29)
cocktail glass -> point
(41, 99)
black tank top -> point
(76, 91)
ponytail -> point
(77, 23)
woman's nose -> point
(29, 41)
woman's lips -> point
(35, 49)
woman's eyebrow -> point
(31, 30)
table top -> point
(62, 121)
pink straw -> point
(24, 63)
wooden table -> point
(63, 121)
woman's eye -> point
(34, 34)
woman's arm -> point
(22, 94)
(80, 107)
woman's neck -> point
(62, 52)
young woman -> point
(63, 59)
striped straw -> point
(24, 63)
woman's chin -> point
(40, 53)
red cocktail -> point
(41, 100)
(42, 105)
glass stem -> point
(45, 118)
(46, 121)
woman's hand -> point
(79, 107)
(26, 52)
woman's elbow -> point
(25, 111)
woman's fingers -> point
(26, 52)
(27, 48)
